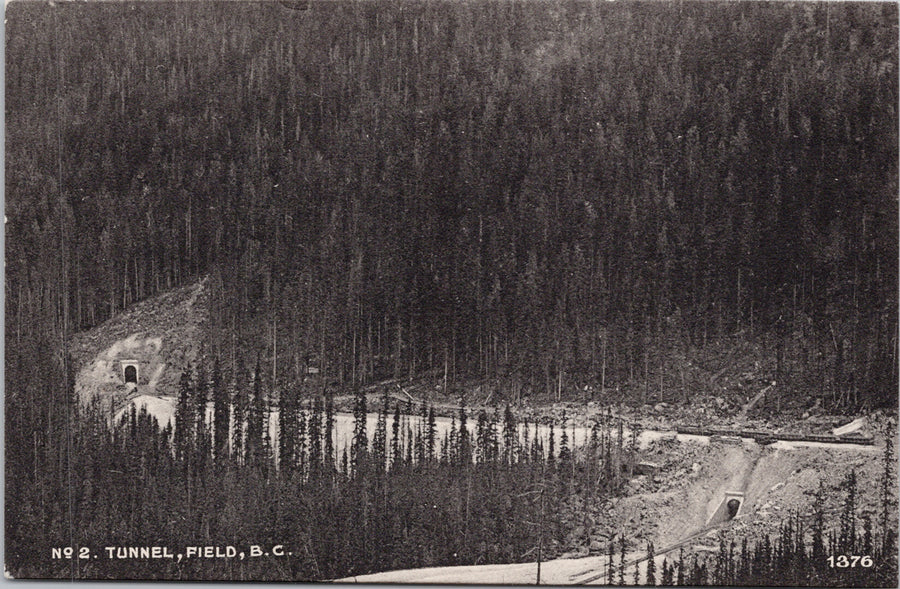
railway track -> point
(764, 437)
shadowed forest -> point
(490, 490)
(543, 196)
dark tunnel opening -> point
(733, 506)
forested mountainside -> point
(548, 194)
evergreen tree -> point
(651, 565)
(666, 574)
(493, 443)
(287, 430)
(379, 438)
(328, 435)
(680, 578)
(314, 426)
(256, 420)
(595, 435)
(267, 457)
(221, 413)
(300, 448)
(419, 443)
(410, 442)
(464, 447)
(481, 443)
(510, 435)
(183, 416)
(396, 450)
(847, 538)
(695, 572)
(867, 545)
(453, 441)
(360, 443)
(818, 543)
(240, 409)
(430, 434)
(565, 455)
(888, 489)
(551, 450)
(201, 428)
(610, 552)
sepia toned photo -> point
(516, 292)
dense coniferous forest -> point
(399, 497)
(542, 195)
(402, 496)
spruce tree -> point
(537, 446)
(594, 443)
(201, 429)
(267, 454)
(360, 443)
(493, 443)
(396, 456)
(551, 449)
(464, 451)
(431, 434)
(183, 416)
(509, 435)
(379, 438)
(481, 438)
(617, 466)
(888, 491)
(314, 426)
(420, 437)
(565, 455)
(256, 419)
(695, 570)
(221, 413)
(847, 538)
(300, 447)
(419, 444)
(680, 580)
(410, 441)
(445, 450)
(423, 429)
(867, 544)
(239, 404)
(743, 572)
(610, 552)
(651, 565)
(328, 457)
(523, 445)
(287, 430)
(818, 542)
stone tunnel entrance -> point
(130, 371)
(730, 507)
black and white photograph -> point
(455, 292)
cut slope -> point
(776, 480)
(162, 335)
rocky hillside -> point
(677, 501)
(161, 335)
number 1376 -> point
(843, 561)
